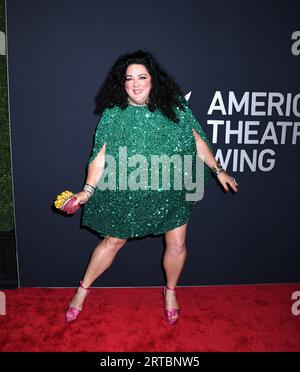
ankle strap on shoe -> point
(170, 289)
(80, 285)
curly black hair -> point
(165, 93)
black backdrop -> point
(59, 52)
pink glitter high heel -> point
(73, 312)
(172, 315)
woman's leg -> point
(101, 259)
(173, 261)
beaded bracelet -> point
(89, 188)
(217, 169)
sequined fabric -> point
(127, 213)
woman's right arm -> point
(95, 170)
(96, 161)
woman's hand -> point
(81, 197)
(225, 179)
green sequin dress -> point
(141, 211)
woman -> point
(143, 115)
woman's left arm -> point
(204, 151)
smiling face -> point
(138, 84)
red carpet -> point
(219, 318)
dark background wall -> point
(59, 53)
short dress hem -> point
(156, 233)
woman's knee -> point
(115, 243)
(176, 246)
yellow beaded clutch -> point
(66, 202)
